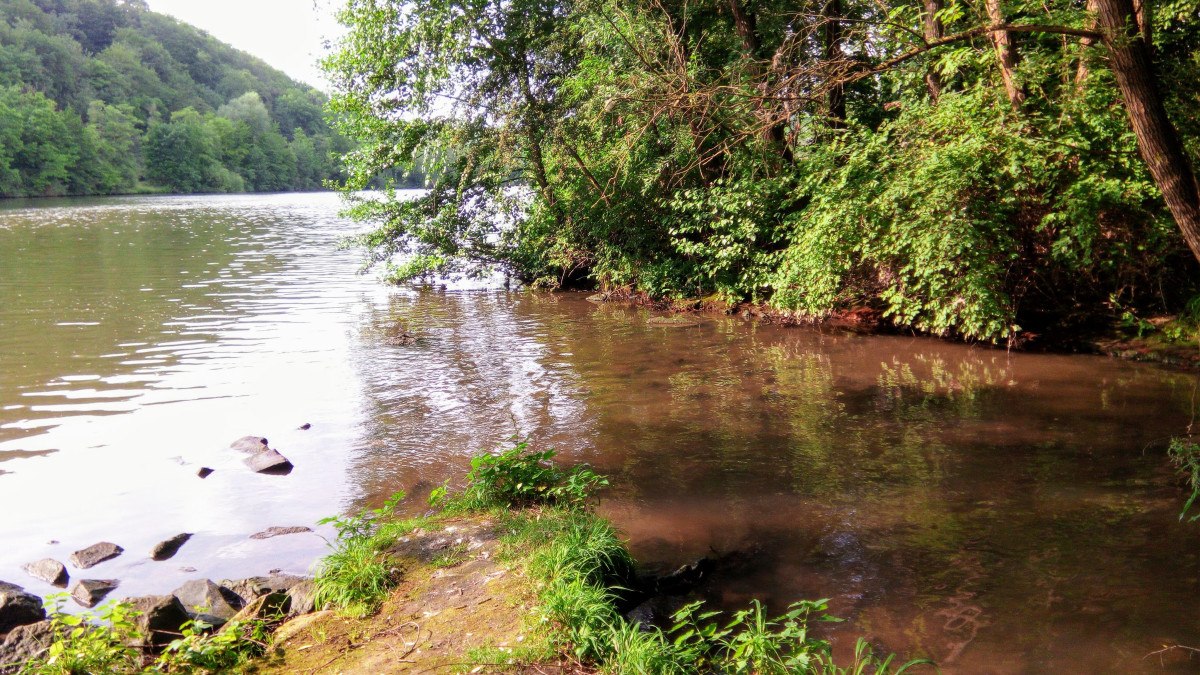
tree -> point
(39, 150)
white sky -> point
(288, 34)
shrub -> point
(519, 477)
(79, 646)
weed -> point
(356, 576)
(1186, 456)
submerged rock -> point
(89, 592)
(48, 570)
(95, 554)
(269, 462)
(280, 531)
(23, 643)
(165, 550)
(675, 321)
(208, 602)
(160, 618)
(18, 608)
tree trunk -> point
(835, 98)
(934, 30)
(747, 28)
(1081, 73)
(1158, 141)
(1007, 55)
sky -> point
(288, 34)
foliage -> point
(93, 92)
(356, 576)
(520, 477)
(700, 149)
(1186, 456)
(80, 646)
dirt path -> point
(455, 597)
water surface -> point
(999, 513)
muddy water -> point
(998, 513)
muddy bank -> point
(1154, 347)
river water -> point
(998, 513)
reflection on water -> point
(1000, 514)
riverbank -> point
(514, 574)
(1165, 340)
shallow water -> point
(998, 513)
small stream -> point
(998, 513)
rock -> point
(95, 554)
(269, 462)
(657, 611)
(23, 643)
(675, 321)
(164, 550)
(204, 472)
(250, 444)
(280, 531)
(298, 625)
(254, 588)
(160, 619)
(89, 592)
(303, 596)
(208, 602)
(18, 608)
(684, 579)
(48, 570)
(272, 606)
(305, 427)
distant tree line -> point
(107, 97)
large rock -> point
(303, 597)
(48, 570)
(208, 602)
(18, 608)
(24, 643)
(160, 619)
(165, 550)
(250, 444)
(95, 554)
(300, 591)
(254, 588)
(270, 607)
(89, 592)
(270, 462)
(280, 531)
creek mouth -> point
(996, 512)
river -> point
(998, 513)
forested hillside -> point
(979, 168)
(105, 97)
